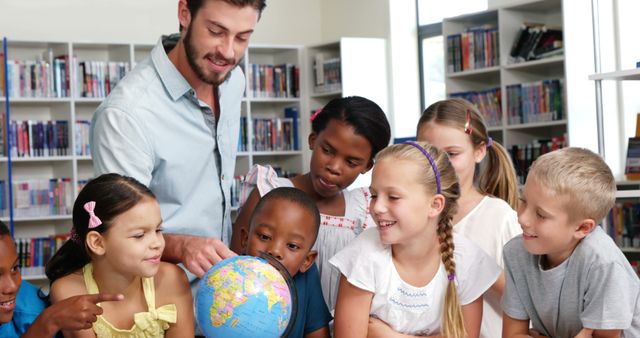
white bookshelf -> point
(363, 72)
(79, 167)
(508, 21)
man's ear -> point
(95, 243)
(584, 228)
(312, 140)
(437, 204)
(308, 261)
(184, 15)
(244, 240)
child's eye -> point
(394, 197)
(452, 154)
(540, 216)
(293, 246)
(159, 229)
(263, 237)
(374, 196)
(15, 269)
(138, 236)
(352, 164)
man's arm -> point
(119, 144)
(197, 254)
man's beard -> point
(191, 52)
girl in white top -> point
(411, 275)
(488, 187)
(346, 135)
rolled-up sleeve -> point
(118, 145)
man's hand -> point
(197, 254)
(71, 314)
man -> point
(173, 124)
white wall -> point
(354, 18)
(142, 21)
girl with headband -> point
(488, 188)
(411, 275)
(115, 246)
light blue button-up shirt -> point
(152, 127)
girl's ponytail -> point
(498, 176)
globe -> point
(245, 296)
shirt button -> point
(222, 177)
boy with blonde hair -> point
(564, 274)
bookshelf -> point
(73, 166)
(516, 98)
(350, 66)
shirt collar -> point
(175, 84)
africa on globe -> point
(244, 296)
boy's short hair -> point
(581, 175)
(294, 195)
(4, 229)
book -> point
(632, 163)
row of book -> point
(83, 128)
(98, 78)
(327, 74)
(488, 102)
(38, 78)
(536, 41)
(34, 253)
(475, 48)
(41, 197)
(29, 138)
(624, 224)
(51, 77)
(539, 101)
(271, 134)
(273, 81)
(523, 155)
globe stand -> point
(292, 289)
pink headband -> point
(315, 114)
(94, 221)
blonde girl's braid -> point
(453, 323)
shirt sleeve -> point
(511, 303)
(511, 228)
(318, 315)
(475, 270)
(610, 299)
(356, 261)
(118, 144)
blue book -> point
(292, 112)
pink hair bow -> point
(94, 221)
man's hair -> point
(294, 195)
(4, 229)
(259, 5)
(582, 176)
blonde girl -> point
(416, 277)
(488, 187)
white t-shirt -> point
(490, 225)
(368, 265)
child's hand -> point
(535, 334)
(77, 312)
(584, 333)
(379, 329)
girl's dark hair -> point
(364, 115)
(114, 194)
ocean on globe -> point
(243, 296)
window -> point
(431, 43)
